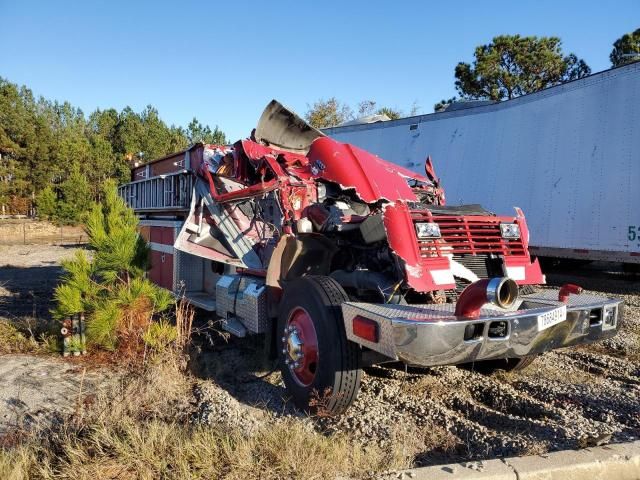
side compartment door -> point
(161, 236)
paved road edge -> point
(619, 461)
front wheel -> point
(320, 367)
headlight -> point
(510, 230)
(428, 230)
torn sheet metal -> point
(375, 180)
(281, 128)
(372, 178)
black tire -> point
(503, 364)
(338, 368)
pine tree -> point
(119, 303)
(46, 201)
(76, 197)
(512, 65)
(626, 49)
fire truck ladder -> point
(161, 193)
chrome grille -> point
(473, 234)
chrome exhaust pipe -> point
(501, 291)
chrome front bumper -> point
(431, 335)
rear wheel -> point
(320, 367)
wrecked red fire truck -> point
(340, 260)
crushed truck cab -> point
(339, 259)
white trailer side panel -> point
(569, 156)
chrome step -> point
(203, 300)
(234, 327)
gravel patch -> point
(217, 408)
(567, 399)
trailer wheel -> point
(320, 367)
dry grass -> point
(164, 450)
(185, 314)
(12, 340)
(15, 464)
(141, 430)
(411, 442)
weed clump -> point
(12, 340)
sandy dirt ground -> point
(37, 389)
(572, 398)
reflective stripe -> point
(442, 277)
(161, 223)
(161, 247)
(516, 273)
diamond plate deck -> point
(550, 297)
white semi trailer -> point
(569, 156)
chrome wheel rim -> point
(300, 346)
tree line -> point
(55, 158)
(507, 67)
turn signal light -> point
(365, 328)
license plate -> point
(552, 318)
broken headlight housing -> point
(428, 230)
(510, 230)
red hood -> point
(351, 167)
(375, 179)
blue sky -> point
(222, 62)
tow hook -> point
(568, 289)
